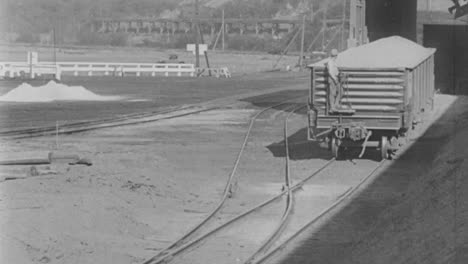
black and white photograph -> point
(233, 131)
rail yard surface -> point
(150, 183)
(234, 132)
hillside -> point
(27, 19)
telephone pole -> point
(324, 26)
(54, 39)
(301, 56)
(223, 29)
(197, 37)
(343, 24)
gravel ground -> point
(140, 95)
(148, 184)
(152, 182)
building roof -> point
(390, 52)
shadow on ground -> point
(413, 212)
(302, 149)
(270, 99)
(299, 148)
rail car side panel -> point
(377, 96)
(420, 91)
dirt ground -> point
(150, 183)
(139, 95)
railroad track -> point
(117, 121)
(83, 126)
(282, 243)
(276, 239)
(189, 239)
(182, 243)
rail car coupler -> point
(357, 133)
(352, 131)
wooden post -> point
(207, 63)
(200, 33)
(286, 49)
(217, 38)
(197, 36)
(352, 24)
(342, 40)
(54, 46)
(301, 56)
(324, 25)
(223, 28)
(31, 70)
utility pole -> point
(324, 25)
(54, 39)
(301, 56)
(197, 37)
(222, 30)
(343, 22)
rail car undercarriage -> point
(356, 135)
(342, 136)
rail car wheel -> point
(384, 148)
(335, 148)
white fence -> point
(121, 69)
(16, 69)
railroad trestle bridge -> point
(207, 25)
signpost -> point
(33, 59)
(201, 49)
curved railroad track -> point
(275, 240)
(181, 243)
(289, 195)
(281, 245)
(270, 246)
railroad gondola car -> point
(386, 86)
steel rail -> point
(297, 186)
(83, 126)
(45, 129)
(92, 121)
(341, 199)
(289, 199)
(289, 192)
(228, 190)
